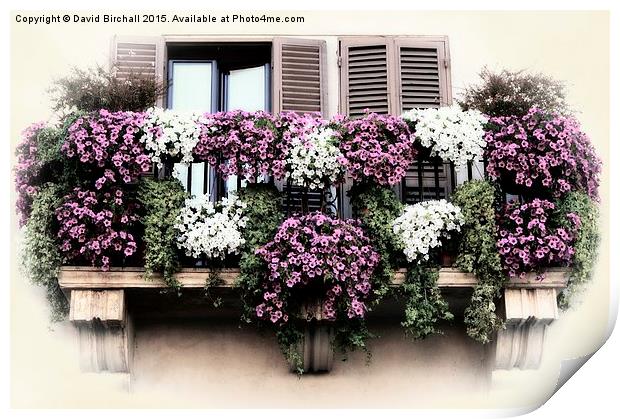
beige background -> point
(572, 46)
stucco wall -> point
(201, 364)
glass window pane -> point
(191, 86)
(191, 90)
(246, 89)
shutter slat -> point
(420, 84)
(367, 79)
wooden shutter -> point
(423, 81)
(299, 85)
(299, 81)
(138, 54)
(365, 76)
(422, 73)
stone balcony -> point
(102, 313)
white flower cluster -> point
(315, 160)
(167, 132)
(450, 133)
(211, 229)
(421, 226)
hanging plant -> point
(314, 160)
(210, 229)
(169, 134)
(317, 267)
(108, 147)
(579, 213)
(420, 230)
(422, 226)
(95, 227)
(242, 143)
(449, 133)
(162, 201)
(541, 155)
(378, 148)
(479, 255)
(42, 257)
(528, 241)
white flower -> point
(450, 133)
(171, 133)
(211, 229)
(314, 160)
(421, 226)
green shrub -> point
(508, 92)
(97, 88)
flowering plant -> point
(170, 133)
(315, 160)
(95, 226)
(422, 226)
(210, 229)
(242, 143)
(545, 153)
(378, 148)
(315, 250)
(527, 241)
(449, 132)
(108, 144)
(27, 170)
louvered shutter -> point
(422, 76)
(365, 77)
(423, 81)
(299, 82)
(299, 85)
(138, 55)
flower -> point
(89, 228)
(108, 146)
(171, 133)
(526, 241)
(377, 148)
(314, 160)
(211, 229)
(542, 152)
(422, 226)
(310, 253)
(449, 132)
(27, 170)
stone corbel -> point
(105, 331)
(528, 313)
(317, 349)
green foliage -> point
(514, 93)
(162, 201)
(264, 216)
(376, 207)
(41, 255)
(478, 254)
(97, 88)
(424, 306)
(586, 241)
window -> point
(390, 75)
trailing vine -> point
(41, 254)
(424, 305)
(586, 241)
(478, 254)
(377, 207)
(162, 200)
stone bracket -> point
(528, 313)
(105, 330)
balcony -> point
(104, 304)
